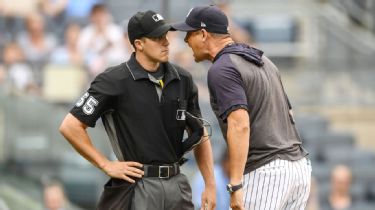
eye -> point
(188, 34)
(158, 39)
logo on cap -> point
(189, 12)
(203, 24)
(157, 17)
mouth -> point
(165, 51)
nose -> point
(186, 38)
(166, 41)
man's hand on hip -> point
(123, 170)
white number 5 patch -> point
(82, 99)
(90, 104)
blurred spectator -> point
(54, 197)
(79, 11)
(341, 180)
(221, 171)
(101, 42)
(128, 47)
(16, 75)
(36, 44)
(3, 205)
(238, 33)
(69, 53)
(313, 201)
(176, 46)
(54, 11)
(54, 8)
(12, 13)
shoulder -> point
(182, 73)
(111, 79)
(222, 68)
(269, 64)
(223, 64)
(115, 73)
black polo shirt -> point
(141, 127)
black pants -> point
(163, 194)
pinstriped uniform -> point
(280, 184)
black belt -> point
(162, 172)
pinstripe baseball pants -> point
(278, 185)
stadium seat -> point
(337, 140)
(348, 156)
(311, 126)
(364, 173)
(371, 192)
(322, 172)
(363, 206)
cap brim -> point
(158, 32)
(182, 27)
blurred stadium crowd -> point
(52, 49)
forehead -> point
(155, 39)
(189, 34)
(192, 32)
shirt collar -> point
(138, 72)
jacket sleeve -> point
(193, 122)
(97, 100)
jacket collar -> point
(138, 72)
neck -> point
(340, 201)
(217, 45)
(341, 193)
(146, 62)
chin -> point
(164, 59)
(197, 59)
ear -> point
(205, 34)
(138, 44)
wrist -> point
(210, 185)
(235, 181)
(233, 188)
(102, 166)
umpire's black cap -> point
(210, 18)
(147, 24)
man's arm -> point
(238, 135)
(204, 158)
(203, 152)
(75, 132)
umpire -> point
(142, 103)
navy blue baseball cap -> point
(147, 24)
(210, 18)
